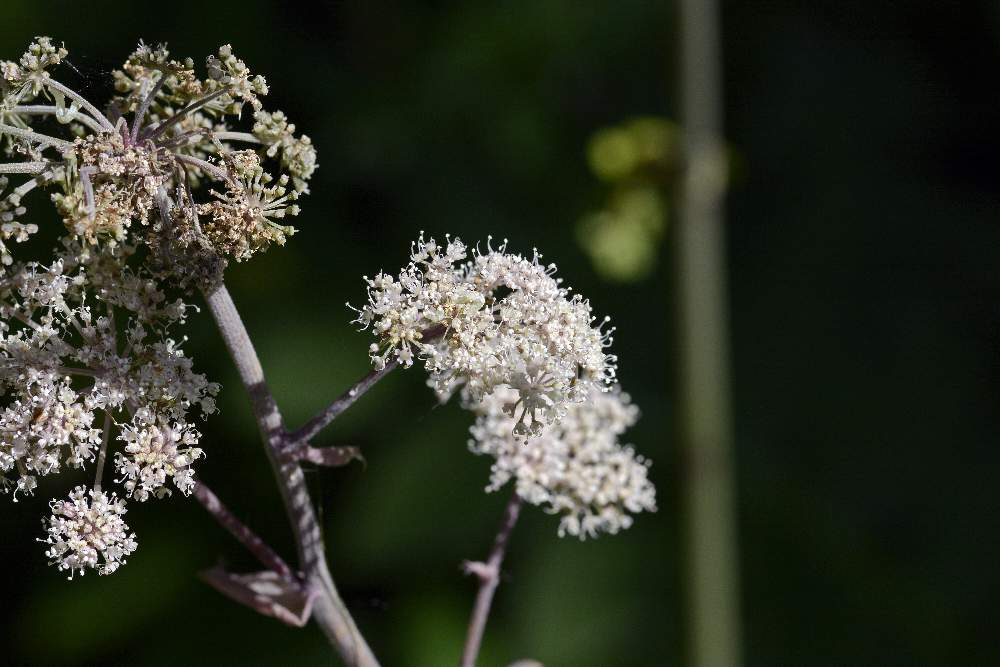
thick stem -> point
(207, 167)
(329, 610)
(346, 400)
(41, 178)
(703, 337)
(254, 544)
(36, 137)
(489, 578)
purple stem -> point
(489, 578)
(254, 544)
(346, 400)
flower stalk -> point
(243, 533)
(488, 573)
(329, 611)
(313, 427)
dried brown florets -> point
(134, 174)
(150, 186)
(241, 221)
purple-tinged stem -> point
(329, 611)
(82, 101)
(144, 106)
(325, 456)
(177, 117)
(254, 544)
(346, 400)
(489, 578)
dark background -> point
(863, 233)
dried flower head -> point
(29, 75)
(576, 468)
(241, 221)
(131, 174)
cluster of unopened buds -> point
(157, 189)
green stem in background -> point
(703, 337)
(329, 610)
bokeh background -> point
(863, 236)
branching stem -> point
(140, 112)
(249, 539)
(157, 131)
(61, 114)
(324, 456)
(489, 578)
(346, 400)
(35, 137)
(82, 101)
(329, 610)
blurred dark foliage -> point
(863, 238)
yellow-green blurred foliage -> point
(638, 160)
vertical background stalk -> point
(703, 338)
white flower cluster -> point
(88, 533)
(497, 320)
(526, 358)
(64, 358)
(149, 187)
(156, 448)
(12, 229)
(576, 468)
(44, 421)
